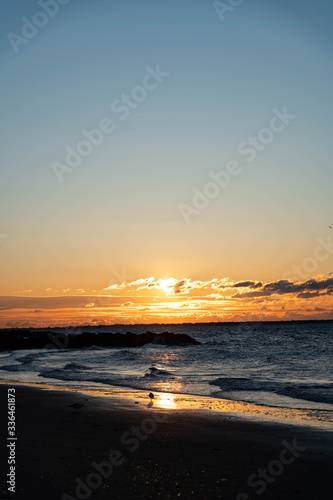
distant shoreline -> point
(167, 325)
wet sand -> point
(116, 448)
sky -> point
(171, 142)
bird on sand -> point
(331, 227)
(77, 406)
(151, 395)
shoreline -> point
(129, 399)
(183, 452)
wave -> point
(5, 354)
(153, 371)
(317, 393)
(29, 358)
(75, 366)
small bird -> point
(151, 395)
(330, 274)
(77, 406)
(331, 227)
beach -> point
(130, 448)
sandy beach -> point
(126, 448)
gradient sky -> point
(116, 218)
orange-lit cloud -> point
(171, 300)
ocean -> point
(287, 364)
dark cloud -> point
(244, 284)
(247, 284)
(280, 287)
(317, 284)
(179, 286)
(308, 295)
(307, 289)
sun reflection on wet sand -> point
(165, 400)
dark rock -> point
(34, 339)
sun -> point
(167, 284)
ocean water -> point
(276, 364)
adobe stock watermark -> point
(30, 28)
(120, 277)
(223, 8)
(123, 107)
(249, 149)
(100, 299)
(309, 265)
(60, 341)
(102, 471)
(264, 477)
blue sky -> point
(120, 207)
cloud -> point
(283, 287)
(247, 284)
(214, 296)
(141, 283)
(220, 288)
(309, 295)
(181, 286)
(170, 285)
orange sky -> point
(170, 300)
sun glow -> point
(167, 284)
